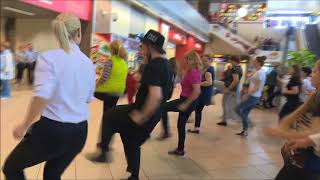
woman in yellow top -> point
(111, 85)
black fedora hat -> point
(155, 39)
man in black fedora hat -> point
(135, 122)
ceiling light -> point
(19, 11)
(242, 12)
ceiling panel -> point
(18, 5)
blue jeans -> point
(244, 109)
(6, 88)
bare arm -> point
(152, 102)
(208, 81)
(294, 90)
(235, 81)
(36, 107)
(256, 87)
(196, 90)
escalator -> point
(312, 37)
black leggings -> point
(198, 114)
(48, 141)
(109, 102)
(291, 172)
(117, 120)
(30, 67)
(288, 108)
(172, 106)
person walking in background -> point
(7, 70)
(307, 88)
(135, 122)
(64, 85)
(271, 83)
(206, 91)
(112, 83)
(292, 91)
(257, 82)
(186, 104)
(30, 62)
(231, 82)
(21, 63)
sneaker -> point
(222, 123)
(164, 137)
(243, 133)
(131, 178)
(194, 131)
(99, 157)
(176, 152)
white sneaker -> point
(4, 98)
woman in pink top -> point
(187, 102)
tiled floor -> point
(216, 153)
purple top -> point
(192, 77)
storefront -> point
(29, 21)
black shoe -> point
(133, 178)
(194, 131)
(164, 137)
(271, 106)
(222, 123)
(176, 152)
(99, 157)
(243, 133)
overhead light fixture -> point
(242, 12)
(19, 11)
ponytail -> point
(65, 27)
(62, 34)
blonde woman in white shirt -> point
(307, 119)
(64, 84)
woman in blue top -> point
(206, 91)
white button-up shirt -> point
(67, 81)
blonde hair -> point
(65, 27)
(117, 48)
(195, 58)
(301, 116)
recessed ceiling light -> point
(19, 11)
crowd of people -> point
(14, 65)
(65, 83)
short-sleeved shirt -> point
(307, 87)
(261, 76)
(229, 78)
(192, 77)
(67, 82)
(292, 83)
(206, 91)
(156, 73)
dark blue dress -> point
(206, 92)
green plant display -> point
(302, 58)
